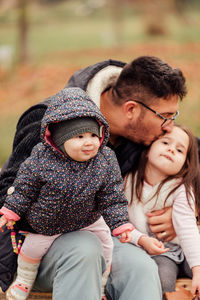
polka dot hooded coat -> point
(57, 194)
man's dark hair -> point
(148, 77)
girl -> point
(168, 175)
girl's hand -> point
(4, 221)
(160, 222)
(125, 237)
(195, 280)
(152, 245)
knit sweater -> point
(183, 217)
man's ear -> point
(130, 109)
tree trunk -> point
(23, 31)
(117, 22)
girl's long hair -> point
(189, 175)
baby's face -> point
(82, 147)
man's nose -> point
(168, 127)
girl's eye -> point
(179, 150)
(165, 143)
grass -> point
(61, 27)
(61, 41)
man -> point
(140, 102)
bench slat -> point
(32, 296)
(180, 283)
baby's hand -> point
(125, 237)
(195, 280)
(124, 231)
(4, 221)
(152, 245)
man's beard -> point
(137, 131)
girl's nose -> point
(171, 149)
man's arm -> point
(26, 137)
(110, 198)
(26, 187)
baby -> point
(70, 182)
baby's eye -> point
(80, 136)
(165, 143)
(94, 135)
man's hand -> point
(160, 222)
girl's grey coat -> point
(57, 194)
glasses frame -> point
(159, 115)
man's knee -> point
(78, 244)
(74, 252)
(135, 260)
(148, 265)
(90, 247)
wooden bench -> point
(181, 283)
(182, 292)
(32, 296)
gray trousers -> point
(73, 267)
(169, 271)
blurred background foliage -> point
(42, 42)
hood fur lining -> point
(104, 78)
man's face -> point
(146, 127)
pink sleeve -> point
(135, 236)
(185, 225)
(9, 214)
(119, 230)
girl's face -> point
(82, 147)
(167, 155)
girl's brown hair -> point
(189, 175)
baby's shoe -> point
(18, 291)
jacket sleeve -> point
(27, 184)
(26, 137)
(111, 199)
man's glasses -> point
(166, 121)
